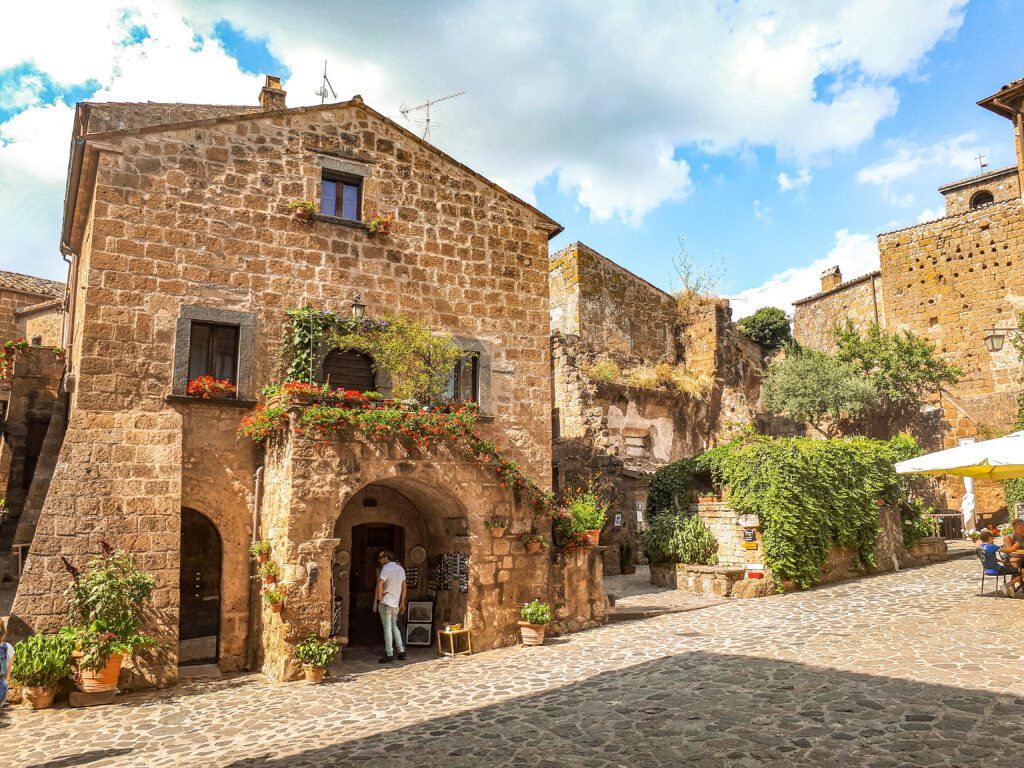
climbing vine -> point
(811, 494)
(1013, 489)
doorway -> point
(368, 539)
(199, 584)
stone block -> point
(83, 699)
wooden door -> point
(368, 540)
(200, 578)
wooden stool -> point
(451, 635)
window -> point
(33, 448)
(637, 444)
(37, 341)
(347, 369)
(213, 351)
(982, 198)
(465, 381)
(341, 196)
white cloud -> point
(762, 213)
(789, 183)
(855, 253)
(930, 214)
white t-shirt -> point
(393, 576)
(10, 649)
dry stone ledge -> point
(717, 580)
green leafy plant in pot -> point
(497, 526)
(109, 598)
(40, 663)
(316, 656)
(535, 618)
(260, 551)
(589, 510)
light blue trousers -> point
(389, 619)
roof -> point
(952, 186)
(840, 287)
(1007, 101)
(105, 116)
(218, 116)
(15, 281)
(43, 306)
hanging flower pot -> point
(533, 547)
(497, 526)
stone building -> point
(607, 321)
(185, 257)
(951, 281)
(859, 300)
(25, 299)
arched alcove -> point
(348, 369)
(982, 198)
(200, 589)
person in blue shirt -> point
(1012, 552)
(994, 566)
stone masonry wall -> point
(47, 324)
(859, 300)
(1003, 184)
(10, 301)
(948, 281)
(198, 216)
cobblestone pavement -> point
(636, 597)
(906, 669)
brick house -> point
(185, 258)
(950, 281)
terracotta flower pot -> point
(628, 569)
(39, 697)
(532, 634)
(262, 558)
(276, 607)
(594, 537)
(533, 547)
(302, 214)
(103, 679)
(270, 579)
(498, 532)
(314, 675)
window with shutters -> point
(213, 351)
(347, 369)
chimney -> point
(272, 97)
(831, 278)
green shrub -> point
(918, 523)
(672, 538)
(670, 487)
(603, 370)
(587, 507)
(768, 327)
(536, 613)
(42, 660)
(316, 652)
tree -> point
(903, 367)
(1013, 489)
(768, 327)
(811, 386)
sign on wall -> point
(618, 521)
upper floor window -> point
(213, 351)
(464, 384)
(348, 369)
(341, 195)
(982, 198)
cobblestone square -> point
(911, 668)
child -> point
(6, 660)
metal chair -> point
(990, 566)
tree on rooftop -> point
(768, 327)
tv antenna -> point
(325, 87)
(425, 106)
(981, 162)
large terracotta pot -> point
(104, 679)
(533, 634)
(39, 697)
(594, 537)
(314, 675)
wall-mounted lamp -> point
(995, 337)
(358, 309)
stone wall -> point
(1003, 184)
(859, 300)
(11, 327)
(45, 322)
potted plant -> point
(270, 572)
(40, 663)
(303, 209)
(206, 387)
(316, 656)
(626, 557)
(534, 542)
(260, 551)
(109, 598)
(590, 511)
(274, 597)
(381, 224)
(535, 618)
(497, 526)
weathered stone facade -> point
(17, 293)
(859, 300)
(993, 187)
(170, 219)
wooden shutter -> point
(349, 370)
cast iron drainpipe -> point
(74, 177)
(254, 596)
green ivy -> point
(811, 494)
(1013, 489)
(669, 488)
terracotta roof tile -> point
(16, 281)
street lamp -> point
(995, 337)
(358, 309)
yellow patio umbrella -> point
(998, 459)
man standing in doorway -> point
(391, 603)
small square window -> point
(341, 196)
(37, 341)
(213, 351)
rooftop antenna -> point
(981, 162)
(425, 106)
(325, 87)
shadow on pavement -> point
(83, 758)
(699, 709)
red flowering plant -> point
(264, 420)
(7, 354)
(566, 530)
(206, 387)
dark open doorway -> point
(368, 539)
(199, 617)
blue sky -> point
(773, 140)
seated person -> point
(1013, 545)
(993, 566)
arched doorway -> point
(368, 539)
(348, 369)
(199, 584)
